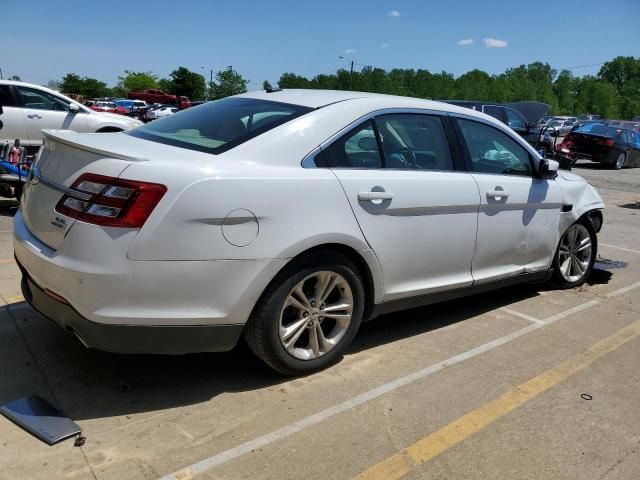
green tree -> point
(266, 85)
(474, 85)
(291, 80)
(227, 82)
(184, 82)
(136, 81)
(85, 86)
(15, 77)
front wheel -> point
(309, 314)
(576, 254)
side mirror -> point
(368, 143)
(73, 108)
(548, 168)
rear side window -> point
(493, 151)
(495, 112)
(414, 141)
(215, 127)
(356, 149)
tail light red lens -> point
(110, 201)
(609, 142)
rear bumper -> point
(131, 338)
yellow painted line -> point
(7, 260)
(429, 447)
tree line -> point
(613, 93)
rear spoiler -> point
(67, 137)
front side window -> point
(492, 151)
(41, 100)
(414, 141)
(215, 127)
(356, 149)
(515, 120)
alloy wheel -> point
(574, 255)
(316, 315)
(620, 161)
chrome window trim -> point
(308, 160)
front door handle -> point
(497, 194)
(369, 196)
(34, 116)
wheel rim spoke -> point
(575, 253)
(287, 332)
(304, 311)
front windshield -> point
(215, 127)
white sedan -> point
(290, 217)
(155, 113)
(28, 109)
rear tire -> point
(293, 329)
(575, 255)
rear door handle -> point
(497, 194)
(369, 196)
(34, 115)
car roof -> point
(39, 87)
(321, 98)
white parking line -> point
(624, 290)
(521, 315)
(259, 442)
(619, 248)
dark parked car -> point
(522, 117)
(613, 145)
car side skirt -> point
(431, 298)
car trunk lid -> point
(63, 158)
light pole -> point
(210, 81)
(350, 73)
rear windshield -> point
(598, 129)
(218, 126)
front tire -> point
(575, 256)
(620, 161)
(308, 315)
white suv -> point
(27, 109)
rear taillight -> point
(109, 201)
(608, 142)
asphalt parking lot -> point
(523, 383)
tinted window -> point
(5, 96)
(492, 151)
(357, 149)
(41, 100)
(495, 112)
(215, 127)
(515, 120)
(414, 141)
(598, 129)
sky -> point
(42, 40)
